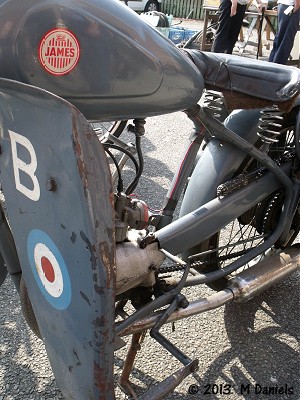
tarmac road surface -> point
(245, 351)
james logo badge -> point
(59, 51)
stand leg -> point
(135, 346)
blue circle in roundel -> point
(49, 269)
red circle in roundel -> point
(48, 269)
(59, 51)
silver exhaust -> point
(243, 287)
(265, 274)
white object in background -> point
(296, 48)
(289, 10)
(170, 18)
(150, 18)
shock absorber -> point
(270, 124)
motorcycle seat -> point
(259, 79)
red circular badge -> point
(59, 51)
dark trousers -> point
(229, 27)
(285, 36)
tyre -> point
(152, 5)
(249, 229)
(27, 309)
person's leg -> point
(220, 44)
(284, 38)
(236, 24)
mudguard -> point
(56, 183)
(219, 161)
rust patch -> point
(99, 322)
(77, 147)
(79, 153)
(107, 256)
(99, 290)
(100, 380)
(82, 172)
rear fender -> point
(56, 183)
(219, 161)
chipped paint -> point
(84, 296)
(73, 237)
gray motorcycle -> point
(90, 262)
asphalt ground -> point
(255, 344)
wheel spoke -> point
(251, 228)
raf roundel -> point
(59, 51)
(49, 269)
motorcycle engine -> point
(130, 213)
(134, 266)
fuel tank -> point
(97, 54)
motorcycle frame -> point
(192, 225)
(79, 331)
(202, 223)
(215, 209)
(209, 218)
(197, 226)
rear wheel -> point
(251, 228)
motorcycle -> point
(91, 263)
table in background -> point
(210, 14)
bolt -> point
(51, 185)
(152, 267)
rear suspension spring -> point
(215, 103)
(270, 124)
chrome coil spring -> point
(270, 124)
(214, 102)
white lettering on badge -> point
(19, 165)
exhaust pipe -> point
(265, 274)
(243, 287)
